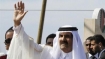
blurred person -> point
(90, 53)
(8, 38)
(49, 39)
(98, 45)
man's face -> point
(65, 41)
(88, 46)
(95, 47)
(9, 36)
(50, 41)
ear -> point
(100, 44)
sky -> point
(58, 13)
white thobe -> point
(23, 47)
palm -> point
(18, 15)
(19, 12)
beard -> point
(64, 44)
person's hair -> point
(9, 30)
(50, 36)
(89, 38)
(99, 38)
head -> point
(88, 45)
(97, 43)
(49, 39)
(66, 38)
(8, 37)
(68, 42)
(65, 41)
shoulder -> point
(102, 55)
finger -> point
(15, 7)
(23, 6)
(20, 4)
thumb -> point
(24, 13)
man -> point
(98, 45)
(8, 38)
(49, 39)
(90, 53)
(67, 43)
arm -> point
(21, 46)
(19, 14)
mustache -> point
(65, 42)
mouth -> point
(64, 44)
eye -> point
(60, 35)
(7, 41)
(88, 44)
(92, 44)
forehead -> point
(65, 33)
(50, 40)
(9, 34)
(87, 41)
(93, 41)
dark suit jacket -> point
(3, 57)
(102, 55)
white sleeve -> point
(37, 47)
(17, 29)
(21, 46)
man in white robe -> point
(66, 45)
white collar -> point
(96, 55)
(63, 54)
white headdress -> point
(77, 51)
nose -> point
(63, 38)
(91, 46)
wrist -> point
(17, 24)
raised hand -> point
(19, 13)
